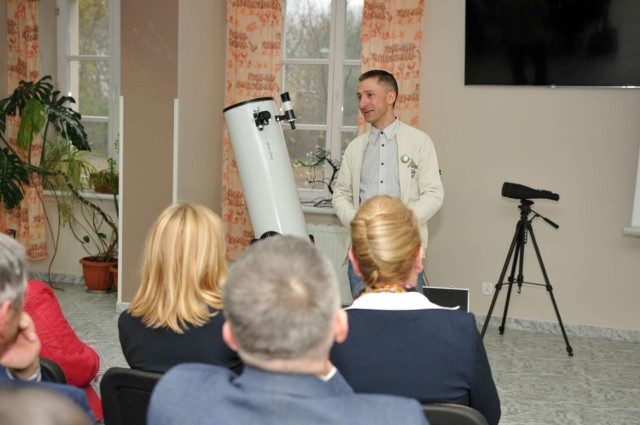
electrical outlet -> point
(487, 288)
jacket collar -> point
(292, 384)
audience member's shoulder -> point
(126, 319)
(389, 409)
(197, 373)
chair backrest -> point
(452, 414)
(125, 395)
(53, 371)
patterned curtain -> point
(391, 38)
(22, 63)
(253, 67)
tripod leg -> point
(550, 289)
(517, 254)
(501, 279)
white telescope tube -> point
(265, 168)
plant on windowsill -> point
(319, 159)
(43, 111)
(107, 180)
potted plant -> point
(105, 181)
(64, 158)
(41, 108)
(98, 233)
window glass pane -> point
(350, 100)
(347, 136)
(353, 30)
(307, 86)
(97, 135)
(89, 27)
(301, 145)
(90, 87)
(307, 26)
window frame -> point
(64, 58)
(335, 62)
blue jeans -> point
(357, 286)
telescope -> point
(265, 167)
(518, 191)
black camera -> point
(518, 191)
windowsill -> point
(318, 210)
(86, 194)
(631, 230)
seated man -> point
(19, 343)
(283, 314)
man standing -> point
(392, 159)
(19, 343)
(283, 314)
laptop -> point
(448, 297)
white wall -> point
(70, 251)
(578, 142)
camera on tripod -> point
(518, 191)
(524, 230)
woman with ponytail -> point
(399, 342)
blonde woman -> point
(176, 316)
(399, 342)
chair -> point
(452, 414)
(52, 370)
(126, 394)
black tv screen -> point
(553, 42)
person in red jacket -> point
(78, 360)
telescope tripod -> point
(517, 251)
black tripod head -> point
(525, 210)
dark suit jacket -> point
(75, 394)
(432, 355)
(159, 349)
(204, 394)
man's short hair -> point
(13, 275)
(385, 78)
(36, 405)
(281, 299)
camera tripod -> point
(517, 251)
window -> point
(88, 66)
(320, 69)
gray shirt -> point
(379, 174)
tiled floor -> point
(537, 382)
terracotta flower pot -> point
(97, 276)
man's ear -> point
(5, 309)
(391, 97)
(341, 326)
(228, 336)
(354, 263)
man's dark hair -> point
(384, 77)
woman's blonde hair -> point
(385, 237)
(183, 269)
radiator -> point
(333, 241)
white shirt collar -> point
(395, 301)
(329, 375)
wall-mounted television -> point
(553, 42)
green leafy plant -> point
(63, 162)
(106, 181)
(39, 108)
